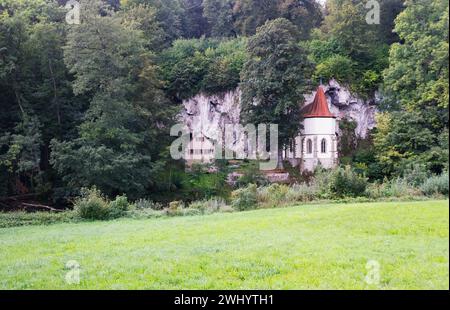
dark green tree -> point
(275, 78)
(117, 141)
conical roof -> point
(319, 107)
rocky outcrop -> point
(345, 105)
(208, 114)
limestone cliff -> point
(208, 114)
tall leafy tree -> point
(117, 143)
(417, 85)
(221, 17)
(275, 78)
(349, 49)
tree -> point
(195, 24)
(418, 66)
(220, 16)
(275, 78)
(251, 14)
(144, 18)
(305, 14)
(169, 14)
(345, 33)
(117, 141)
(417, 81)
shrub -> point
(118, 207)
(251, 174)
(345, 182)
(416, 174)
(92, 205)
(182, 212)
(302, 193)
(144, 213)
(391, 188)
(245, 198)
(15, 219)
(144, 204)
(175, 205)
(273, 194)
(436, 185)
(209, 206)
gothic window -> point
(323, 146)
(309, 146)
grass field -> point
(307, 247)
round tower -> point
(319, 138)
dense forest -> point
(92, 104)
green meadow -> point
(305, 247)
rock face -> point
(208, 114)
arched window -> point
(309, 146)
(323, 146)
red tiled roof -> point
(319, 107)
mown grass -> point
(306, 247)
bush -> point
(144, 204)
(245, 198)
(436, 185)
(118, 207)
(182, 212)
(392, 188)
(416, 174)
(302, 193)
(273, 194)
(345, 182)
(92, 205)
(251, 174)
(144, 214)
(15, 219)
(209, 206)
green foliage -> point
(251, 174)
(418, 66)
(119, 207)
(350, 50)
(144, 204)
(92, 205)
(406, 138)
(395, 188)
(200, 184)
(414, 130)
(250, 14)
(338, 67)
(275, 78)
(16, 219)
(245, 198)
(345, 182)
(436, 185)
(220, 16)
(118, 145)
(213, 205)
(203, 65)
(274, 194)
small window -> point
(309, 146)
(323, 146)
